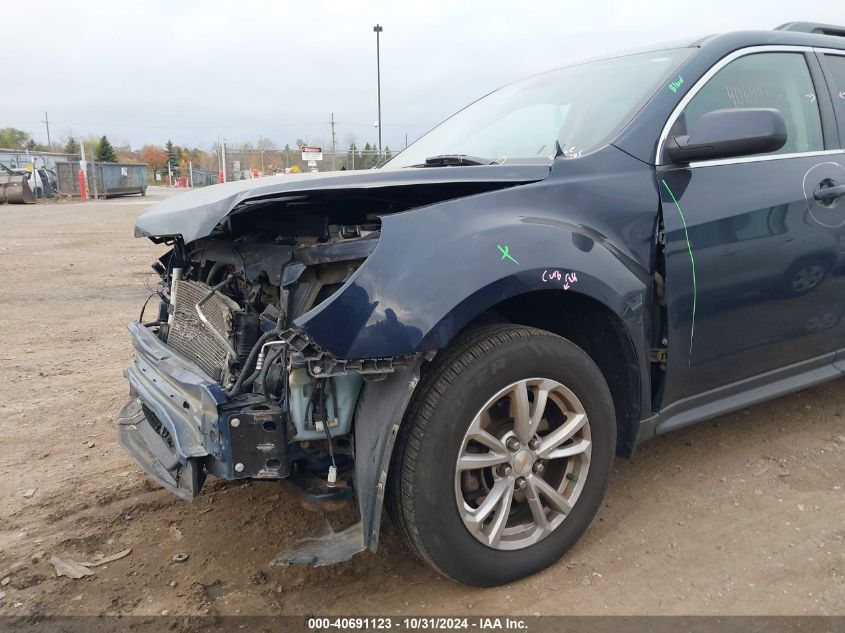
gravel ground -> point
(739, 515)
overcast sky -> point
(147, 71)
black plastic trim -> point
(741, 394)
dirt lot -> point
(742, 515)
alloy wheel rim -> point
(522, 464)
(807, 278)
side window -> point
(764, 80)
(836, 64)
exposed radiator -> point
(190, 336)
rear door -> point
(833, 64)
(752, 261)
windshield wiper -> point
(455, 160)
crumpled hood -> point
(195, 214)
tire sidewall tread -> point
(459, 381)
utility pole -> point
(46, 122)
(406, 140)
(378, 29)
(287, 156)
(334, 147)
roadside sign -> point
(312, 153)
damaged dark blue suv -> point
(572, 264)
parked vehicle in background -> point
(571, 265)
(53, 178)
(39, 181)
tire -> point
(427, 495)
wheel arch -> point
(592, 325)
(825, 257)
(601, 333)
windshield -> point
(581, 107)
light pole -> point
(378, 29)
(334, 147)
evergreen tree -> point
(105, 152)
(172, 153)
(71, 146)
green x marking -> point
(505, 255)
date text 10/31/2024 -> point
(417, 623)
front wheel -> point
(504, 455)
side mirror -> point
(730, 132)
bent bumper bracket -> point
(154, 455)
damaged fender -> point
(436, 268)
(476, 253)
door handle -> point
(829, 194)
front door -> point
(753, 261)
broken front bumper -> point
(177, 423)
(157, 458)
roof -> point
(36, 152)
(781, 37)
(813, 27)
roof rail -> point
(812, 27)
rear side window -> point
(764, 80)
(836, 65)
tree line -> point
(264, 155)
